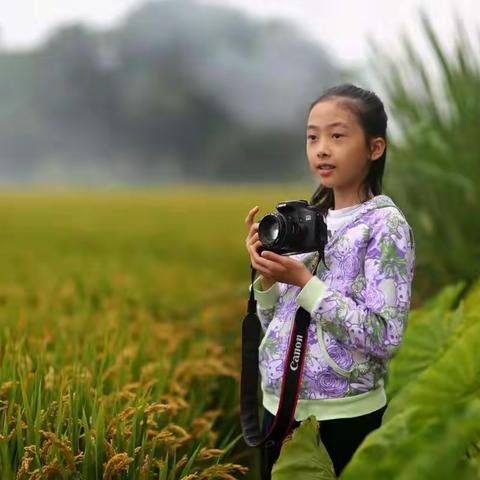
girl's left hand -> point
(284, 269)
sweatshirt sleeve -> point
(266, 301)
(373, 323)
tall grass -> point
(434, 172)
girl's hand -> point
(273, 267)
(284, 269)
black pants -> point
(341, 437)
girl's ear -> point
(377, 147)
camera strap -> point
(291, 380)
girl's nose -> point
(323, 152)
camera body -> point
(296, 227)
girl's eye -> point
(338, 135)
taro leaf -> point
(426, 338)
(411, 446)
(470, 306)
(441, 453)
(379, 450)
(303, 455)
(451, 380)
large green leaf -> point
(411, 446)
(440, 451)
(426, 338)
(303, 455)
(452, 379)
(379, 451)
(469, 307)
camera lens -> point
(270, 229)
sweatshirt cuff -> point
(312, 293)
(265, 298)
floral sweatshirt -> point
(359, 304)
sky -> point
(342, 26)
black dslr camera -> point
(297, 228)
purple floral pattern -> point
(340, 354)
(332, 384)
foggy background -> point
(182, 90)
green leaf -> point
(412, 446)
(303, 455)
(379, 451)
(426, 338)
(447, 383)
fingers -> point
(266, 267)
(255, 259)
(253, 250)
(268, 264)
(252, 244)
(253, 230)
(251, 240)
(249, 217)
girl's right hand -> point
(253, 243)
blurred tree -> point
(177, 88)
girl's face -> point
(334, 136)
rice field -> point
(120, 343)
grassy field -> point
(120, 340)
(121, 331)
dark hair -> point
(372, 117)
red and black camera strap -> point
(291, 380)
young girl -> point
(359, 301)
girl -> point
(359, 302)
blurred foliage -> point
(434, 172)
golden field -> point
(121, 320)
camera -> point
(297, 228)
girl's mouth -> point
(325, 172)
